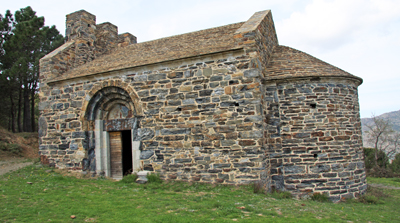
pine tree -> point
(28, 41)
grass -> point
(394, 182)
(39, 194)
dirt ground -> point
(12, 164)
(28, 150)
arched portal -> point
(113, 112)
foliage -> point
(258, 187)
(20, 144)
(386, 144)
(24, 40)
(373, 196)
(382, 136)
(10, 148)
(369, 158)
(395, 165)
(383, 169)
(154, 178)
(51, 196)
(128, 179)
(320, 197)
(281, 194)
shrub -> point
(154, 178)
(373, 196)
(131, 178)
(368, 199)
(320, 197)
(281, 194)
(369, 154)
(258, 188)
(381, 172)
(11, 148)
(395, 165)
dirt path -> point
(384, 186)
(12, 164)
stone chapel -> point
(223, 105)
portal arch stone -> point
(113, 109)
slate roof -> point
(170, 48)
(287, 62)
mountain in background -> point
(393, 116)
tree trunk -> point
(12, 113)
(19, 109)
(33, 107)
(27, 111)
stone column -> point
(106, 154)
(135, 153)
(99, 145)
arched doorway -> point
(114, 116)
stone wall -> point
(312, 126)
(223, 105)
(314, 137)
(85, 41)
(206, 120)
(258, 34)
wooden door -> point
(116, 154)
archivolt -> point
(106, 98)
(106, 95)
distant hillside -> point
(394, 118)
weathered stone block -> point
(251, 73)
(156, 77)
(205, 93)
(294, 169)
(221, 165)
(224, 129)
(251, 134)
(228, 142)
(175, 131)
(319, 168)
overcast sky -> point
(361, 37)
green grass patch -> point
(320, 197)
(128, 179)
(395, 182)
(38, 194)
(154, 178)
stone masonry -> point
(224, 105)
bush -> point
(369, 199)
(320, 197)
(11, 148)
(258, 188)
(281, 194)
(395, 165)
(131, 178)
(373, 196)
(381, 172)
(369, 155)
(154, 178)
